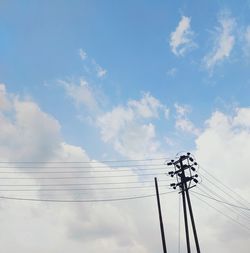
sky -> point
(125, 80)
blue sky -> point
(130, 40)
(83, 80)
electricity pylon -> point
(183, 164)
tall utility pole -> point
(181, 165)
(160, 218)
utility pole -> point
(184, 183)
(160, 217)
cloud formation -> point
(223, 42)
(118, 227)
(81, 94)
(29, 134)
(101, 72)
(82, 54)
(223, 150)
(182, 122)
(128, 129)
(181, 40)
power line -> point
(224, 202)
(82, 184)
(227, 216)
(82, 167)
(101, 161)
(86, 177)
(82, 200)
(241, 213)
(79, 189)
(222, 190)
(78, 171)
(219, 181)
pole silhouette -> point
(160, 218)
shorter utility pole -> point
(184, 183)
(160, 217)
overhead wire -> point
(224, 185)
(82, 184)
(80, 171)
(220, 188)
(220, 201)
(78, 189)
(225, 215)
(83, 162)
(83, 167)
(241, 213)
(86, 177)
(83, 200)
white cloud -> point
(111, 122)
(137, 141)
(182, 122)
(4, 104)
(182, 110)
(223, 150)
(172, 72)
(186, 126)
(223, 43)
(126, 127)
(82, 54)
(181, 40)
(28, 133)
(116, 227)
(101, 72)
(82, 93)
(148, 106)
(242, 117)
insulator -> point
(192, 168)
(196, 175)
(191, 159)
(195, 180)
(170, 172)
(172, 185)
(188, 153)
(195, 163)
(185, 166)
(178, 166)
(169, 164)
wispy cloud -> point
(246, 42)
(223, 42)
(90, 64)
(172, 72)
(181, 40)
(101, 72)
(82, 54)
(82, 93)
(182, 122)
